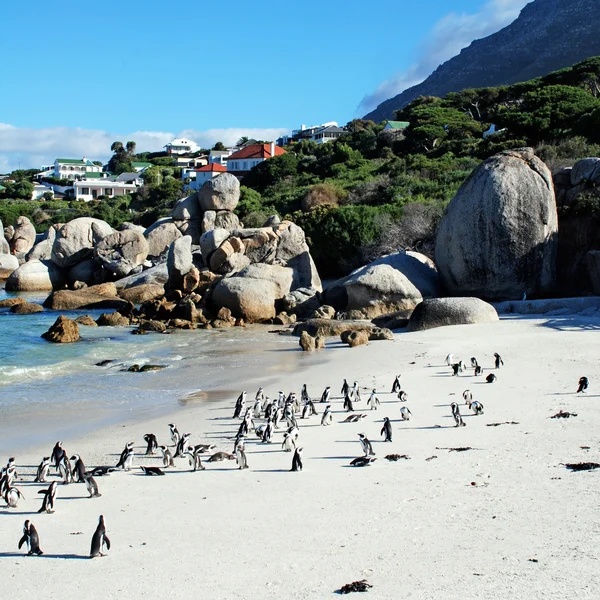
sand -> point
(504, 519)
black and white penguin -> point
(99, 540)
(498, 361)
(66, 470)
(467, 396)
(12, 497)
(362, 461)
(297, 460)
(355, 392)
(167, 456)
(240, 405)
(366, 445)
(126, 454)
(152, 443)
(478, 371)
(456, 415)
(42, 470)
(220, 456)
(258, 402)
(183, 443)
(451, 360)
(474, 362)
(175, 436)
(326, 394)
(194, 454)
(288, 443)
(9, 474)
(92, 486)
(373, 400)
(386, 430)
(57, 454)
(405, 413)
(402, 396)
(583, 385)
(304, 397)
(268, 432)
(345, 388)
(31, 538)
(78, 469)
(476, 407)
(490, 378)
(396, 385)
(348, 405)
(240, 457)
(152, 471)
(456, 369)
(102, 471)
(327, 417)
(49, 497)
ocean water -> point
(51, 391)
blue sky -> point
(80, 73)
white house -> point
(39, 190)
(194, 163)
(91, 189)
(220, 156)
(74, 168)
(326, 132)
(203, 174)
(240, 162)
(181, 146)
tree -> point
(130, 147)
(242, 141)
(120, 161)
(116, 146)
(19, 190)
(219, 146)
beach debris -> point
(582, 466)
(533, 560)
(152, 471)
(356, 586)
(459, 449)
(563, 415)
(396, 457)
(584, 447)
(502, 423)
(431, 458)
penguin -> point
(386, 430)
(128, 461)
(31, 538)
(276, 417)
(325, 395)
(181, 446)
(66, 470)
(101, 471)
(455, 369)
(175, 436)
(269, 409)
(99, 539)
(8, 476)
(167, 457)
(152, 442)
(498, 361)
(309, 409)
(402, 396)
(258, 402)
(268, 432)
(92, 486)
(348, 402)
(366, 445)
(354, 418)
(583, 385)
(49, 497)
(451, 360)
(373, 401)
(355, 392)
(220, 456)
(490, 378)
(405, 413)
(345, 388)
(240, 457)
(240, 405)
(152, 471)
(396, 385)
(474, 362)
(467, 396)
(304, 397)
(12, 497)
(78, 469)
(297, 460)
(124, 454)
(194, 459)
(456, 415)
(42, 470)
(478, 371)
(57, 454)
(288, 443)
(327, 417)
(362, 461)
(476, 407)
(280, 399)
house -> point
(91, 189)
(39, 190)
(396, 125)
(181, 146)
(191, 162)
(74, 168)
(203, 174)
(326, 132)
(135, 178)
(240, 162)
(220, 156)
(141, 166)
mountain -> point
(548, 35)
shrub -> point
(322, 194)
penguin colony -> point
(282, 415)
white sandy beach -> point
(414, 528)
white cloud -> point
(447, 38)
(30, 148)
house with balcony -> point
(74, 168)
(181, 146)
(239, 163)
(326, 132)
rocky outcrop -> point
(86, 321)
(220, 193)
(498, 238)
(8, 262)
(354, 338)
(36, 276)
(250, 299)
(43, 250)
(76, 239)
(64, 331)
(97, 296)
(114, 319)
(331, 328)
(10, 302)
(441, 312)
(142, 293)
(157, 275)
(160, 236)
(23, 238)
(122, 251)
(187, 209)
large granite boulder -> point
(4, 245)
(64, 331)
(23, 238)
(27, 308)
(250, 299)
(8, 262)
(220, 193)
(158, 275)
(122, 251)
(227, 220)
(186, 209)
(586, 170)
(440, 312)
(88, 271)
(211, 240)
(76, 239)
(36, 276)
(142, 293)
(283, 277)
(96, 296)
(160, 236)
(498, 238)
(293, 251)
(179, 261)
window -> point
(108, 191)
(94, 194)
(85, 191)
(245, 165)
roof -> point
(2, 187)
(398, 124)
(141, 165)
(128, 177)
(332, 129)
(212, 167)
(181, 142)
(94, 175)
(256, 151)
(74, 161)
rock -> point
(234, 263)
(208, 220)
(586, 170)
(142, 293)
(36, 276)
(301, 302)
(261, 247)
(10, 302)
(227, 249)
(90, 297)
(114, 319)
(324, 312)
(122, 251)
(179, 261)
(76, 239)
(23, 238)
(27, 308)
(190, 281)
(380, 333)
(8, 233)
(64, 331)
(4, 245)
(592, 261)
(160, 236)
(8, 262)
(331, 328)
(355, 338)
(152, 326)
(292, 241)
(157, 275)
(186, 209)
(211, 240)
(319, 342)
(220, 193)
(250, 299)
(87, 271)
(440, 312)
(227, 220)
(86, 320)
(272, 221)
(397, 320)
(282, 276)
(307, 342)
(498, 238)
(41, 251)
(127, 226)
(192, 228)
(284, 319)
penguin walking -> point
(456, 415)
(277, 417)
(355, 392)
(326, 394)
(175, 436)
(345, 388)
(42, 470)
(194, 453)
(92, 486)
(182, 445)
(467, 396)
(373, 400)
(304, 397)
(478, 371)
(476, 407)
(288, 443)
(49, 497)
(258, 405)
(402, 396)
(386, 430)
(268, 432)
(297, 460)
(490, 378)
(396, 385)
(451, 360)
(31, 538)
(167, 456)
(498, 362)
(57, 454)
(240, 405)
(12, 497)
(366, 445)
(126, 455)
(348, 402)
(99, 539)
(583, 385)
(327, 417)
(78, 469)
(474, 362)
(309, 409)
(66, 470)
(405, 413)
(240, 457)
(152, 444)
(456, 369)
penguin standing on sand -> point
(92, 486)
(583, 385)
(476, 407)
(474, 362)
(66, 470)
(240, 405)
(402, 396)
(297, 460)
(355, 392)
(366, 445)
(456, 369)
(373, 400)
(183, 442)
(49, 497)
(240, 457)
(78, 469)
(288, 443)
(345, 388)
(268, 432)
(450, 360)
(277, 417)
(325, 395)
(12, 497)
(152, 444)
(258, 403)
(194, 453)
(167, 456)
(405, 413)
(387, 429)
(396, 385)
(125, 454)
(327, 417)
(456, 415)
(467, 396)
(57, 454)
(31, 538)
(348, 402)
(175, 436)
(99, 539)
(498, 360)
(42, 470)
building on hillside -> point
(327, 134)
(39, 190)
(74, 168)
(314, 133)
(135, 178)
(189, 162)
(205, 173)
(181, 146)
(240, 162)
(396, 125)
(220, 156)
(91, 189)
(138, 167)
